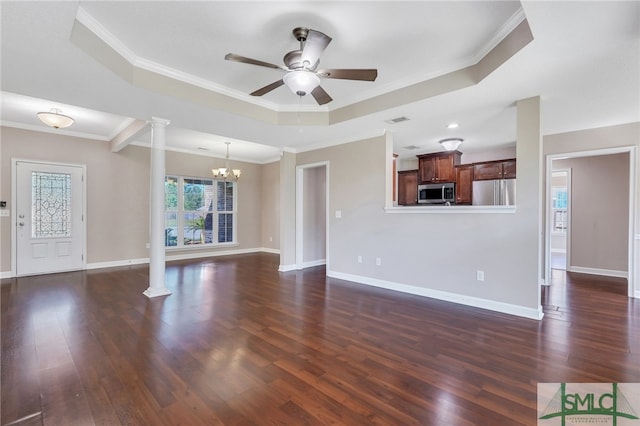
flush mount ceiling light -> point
(452, 126)
(54, 119)
(301, 82)
(226, 173)
(451, 144)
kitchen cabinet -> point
(407, 187)
(501, 169)
(464, 184)
(438, 167)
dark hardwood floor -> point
(238, 343)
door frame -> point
(632, 260)
(14, 198)
(300, 212)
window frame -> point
(180, 212)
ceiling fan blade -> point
(313, 47)
(321, 96)
(243, 59)
(349, 74)
(267, 88)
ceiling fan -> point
(302, 73)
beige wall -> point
(118, 191)
(599, 211)
(314, 215)
(620, 137)
(270, 206)
(434, 253)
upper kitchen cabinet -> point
(501, 169)
(438, 167)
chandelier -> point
(226, 173)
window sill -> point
(200, 247)
(451, 209)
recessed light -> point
(452, 126)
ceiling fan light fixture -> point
(451, 144)
(54, 119)
(301, 82)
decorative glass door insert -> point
(50, 204)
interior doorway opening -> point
(312, 194)
(560, 217)
(600, 215)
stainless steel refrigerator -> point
(499, 192)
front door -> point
(49, 218)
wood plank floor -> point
(238, 343)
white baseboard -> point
(201, 254)
(596, 271)
(476, 302)
(294, 267)
(287, 268)
(637, 294)
(269, 250)
(117, 263)
(145, 260)
(314, 263)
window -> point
(199, 211)
(559, 208)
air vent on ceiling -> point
(410, 147)
(397, 120)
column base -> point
(155, 292)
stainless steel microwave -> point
(437, 193)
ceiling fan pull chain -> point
(298, 115)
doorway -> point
(559, 224)
(601, 195)
(48, 207)
(312, 215)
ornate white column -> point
(157, 285)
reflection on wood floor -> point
(239, 343)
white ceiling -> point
(584, 61)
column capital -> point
(159, 121)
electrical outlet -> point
(359, 259)
(480, 275)
(148, 245)
(378, 261)
(270, 239)
(338, 214)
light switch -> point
(4, 213)
(338, 214)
